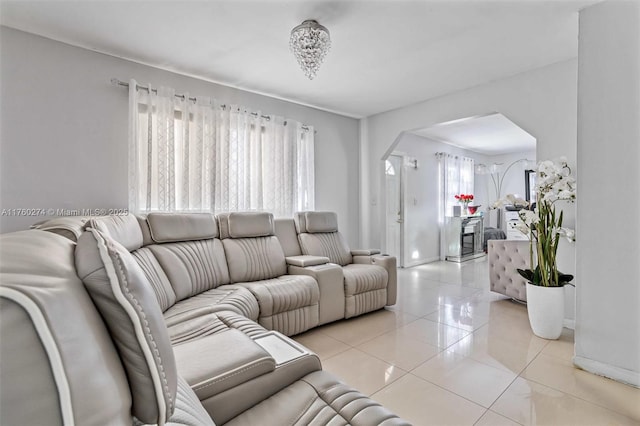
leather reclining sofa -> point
(181, 319)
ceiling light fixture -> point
(310, 43)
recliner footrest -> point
(318, 399)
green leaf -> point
(560, 220)
(527, 274)
(537, 276)
(564, 278)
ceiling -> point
(492, 134)
(384, 55)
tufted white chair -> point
(505, 256)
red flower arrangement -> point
(464, 198)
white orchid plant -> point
(543, 226)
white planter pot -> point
(545, 306)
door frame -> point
(402, 176)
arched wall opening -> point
(412, 202)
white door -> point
(394, 208)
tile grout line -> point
(481, 296)
(450, 391)
(569, 393)
(519, 375)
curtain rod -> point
(117, 82)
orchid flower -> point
(543, 226)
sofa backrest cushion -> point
(174, 227)
(253, 253)
(254, 259)
(70, 227)
(133, 233)
(330, 244)
(47, 323)
(155, 273)
(122, 228)
(192, 266)
(285, 230)
(245, 224)
(318, 236)
(144, 228)
(125, 299)
(191, 257)
(314, 222)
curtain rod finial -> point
(117, 82)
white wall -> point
(608, 244)
(64, 131)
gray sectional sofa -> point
(181, 319)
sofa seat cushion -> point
(365, 288)
(219, 362)
(225, 405)
(363, 278)
(318, 399)
(224, 298)
(208, 324)
(288, 304)
(284, 293)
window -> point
(456, 177)
(188, 155)
(389, 169)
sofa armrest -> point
(331, 285)
(388, 263)
(216, 363)
(306, 260)
(364, 252)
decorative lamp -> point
(310, 43)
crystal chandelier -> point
(310, 43)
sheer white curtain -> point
(199, 156)
(456, 177)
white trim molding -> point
(606, 370)
(422, 261)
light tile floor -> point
(450, 352)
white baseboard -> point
(422, 261)
(610, 371)
(569, 323)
